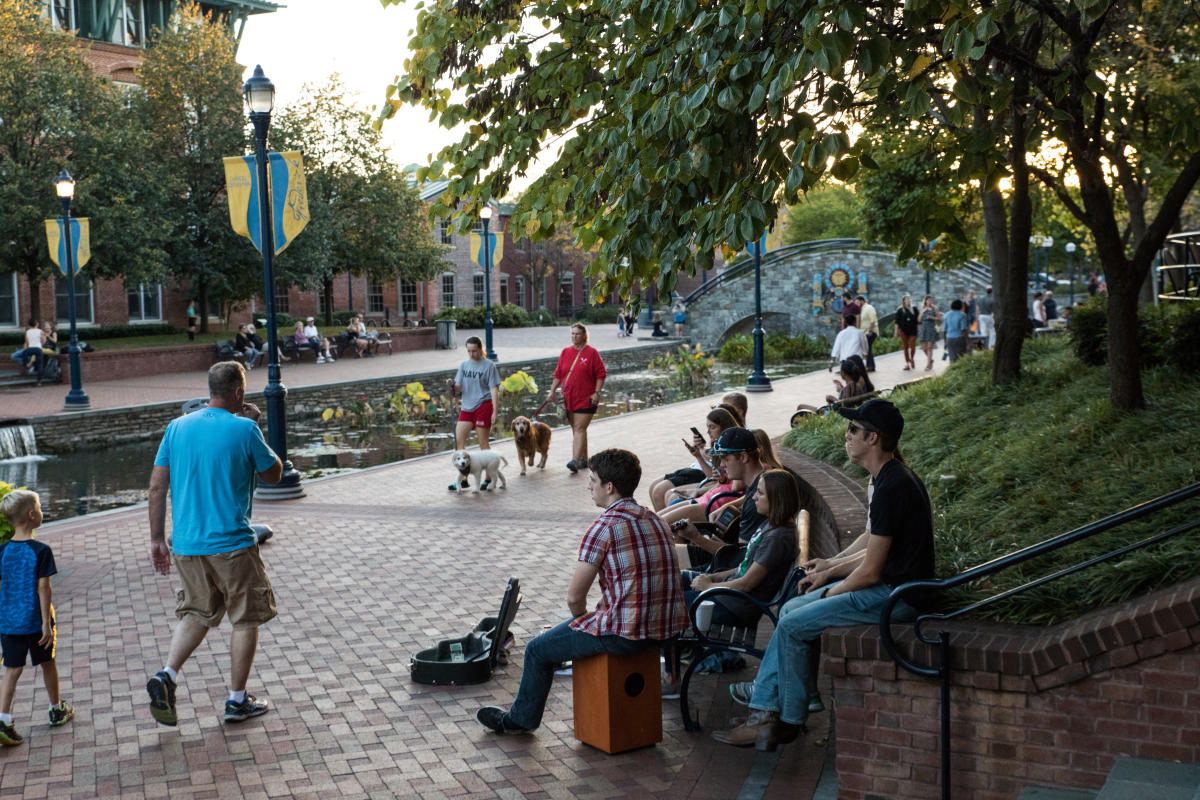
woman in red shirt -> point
(580, 373)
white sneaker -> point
(320, 359)
(329, 357)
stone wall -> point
(65, 432)
(798, 295)
(836, 502)
(1030, 706)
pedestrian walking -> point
(207, 460)
(987, 319)
(478, 381)
(27, 625)
(928, 333)
(907, 323)
(581, 374)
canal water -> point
(87, 481)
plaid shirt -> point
(642, 596)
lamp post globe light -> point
(260, 100)
(485, 215)
(758, 381)
(64, 186)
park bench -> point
(740, 639)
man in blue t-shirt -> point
(955, 324)
(208, 461)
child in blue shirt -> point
(26, 614)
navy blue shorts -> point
(18, 646)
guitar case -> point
(471, 658)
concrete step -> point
(1055, 793)
(1143, 779)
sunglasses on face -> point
(855, 427)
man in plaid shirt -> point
(630, 549)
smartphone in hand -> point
(696, 433)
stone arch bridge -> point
(802, 285)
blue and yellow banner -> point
(80, 241)
(495, 247)
(289, 197)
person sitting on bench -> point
(641, 606)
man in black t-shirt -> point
(849, 589)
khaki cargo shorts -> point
(235, 582)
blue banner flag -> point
(80, 242)
(289, 197)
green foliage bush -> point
(6, 528)
(1007, 468)
(600, 315)
(1164, 334)
(777, 347)
(505, 316)
(94, 334)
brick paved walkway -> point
(369, 568)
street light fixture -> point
(758, 381)
(64, 186)
(485, 215)
(260, 99)
(1070, 248)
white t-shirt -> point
(850, 341)
(33, 338)
(311, 332)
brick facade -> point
(1030, 706)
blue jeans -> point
(23, 356)
(546, 652)
(783, 679)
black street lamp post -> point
(76, 400)
(485, 214)
(260, 99)
(1070, 248)
(758, 382)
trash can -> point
(445, 333)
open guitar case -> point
(471, 658)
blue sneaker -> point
(237, 712)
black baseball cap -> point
(734, 440)
(881, 415)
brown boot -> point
(758, 730)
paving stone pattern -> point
(368, 568)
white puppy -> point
(484, 465)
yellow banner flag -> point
(80, 242)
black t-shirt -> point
(750, 518)
(907, 320)
(900, 509)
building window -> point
(408, 297)
(503, 290)
(321, 299)
(282, 306)
(478, 286)
(566, 291)
(445, 234)
(540, 302)
(374, 297)
(8, 300)
(145, 303)
(61, 13)
(521, 291)
(447, 290)
(83, 299)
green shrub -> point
(465, 317)
(94, 334)
(1089, 332)
(1184, 341)
(342, 318)
(284, 323)
(509, 316)
(543, 318)
(600, 315)
(886, 344)
(6, 528)
(777, 347)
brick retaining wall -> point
(65, 432)
(113, 365)
(836, 502)
(1030, 706)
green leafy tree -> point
(365, 218)
(55, 114)
(831, 211)
(193, 112)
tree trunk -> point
(327, 293)
(1124, 358)
(35, 297)
(202, 299)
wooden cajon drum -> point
(618, 701)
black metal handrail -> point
(943, 669)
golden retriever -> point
(531, 438)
